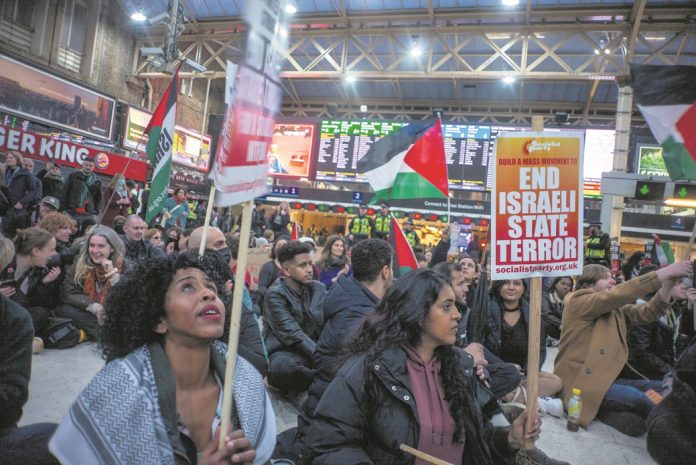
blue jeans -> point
(27, 445)
(628, 395)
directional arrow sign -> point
(649, 191)
(685, 191)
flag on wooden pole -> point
(160, 132)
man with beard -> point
(292, 314)
(138, 249)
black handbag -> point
(61, 334)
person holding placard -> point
(593, 348)
(158, 399)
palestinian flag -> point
(664, 255)
(408, 164)
(160, 132)
(666, 96)
(294, 234)
(404, 259)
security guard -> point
(410, 234)
(598, 246)
(361, 226)
(193, 206)
(382, 222)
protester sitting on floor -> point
(59, 224)
(27, 444)
(593, 347)
(506, 335)
(405, 383)
(158, 399)
(270, 271)
(552, 307)
(334, 261)
(672, 423)
(293, 319)
(137, 248)
(28, 281)
(88, 282)
(154, 237)
(652, 350)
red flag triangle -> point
(404, 259)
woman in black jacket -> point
(22, 190)
(405, 383)
(552, 306)
(28, 281)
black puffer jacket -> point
(651, 349)
(355, 428)
(38, 294)
(138, 251)
(15, 361)
(672, 423)
(293, 322)
(552, 315)
(345, 308)
(23, 188)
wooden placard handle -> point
(422, 455)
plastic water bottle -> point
(574, 409)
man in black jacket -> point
(138, 249)
(82, 193)
(293, 319)
(23, 192)
(28, 444)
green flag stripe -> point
(678, 160)
(409, 186)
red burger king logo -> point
(102, 160)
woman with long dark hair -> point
(158, 399)
(334, 261)
(552, 307)
(404, 382)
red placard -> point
(45, 148)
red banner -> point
(66, 153)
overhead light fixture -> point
(290, 9)
(350, 79)
(510, 2)
(655, 38)
(363, 108)
(416, 51)
(283, 32)
(685, 203)
(498, 35)
(138, 16)
(596, 51)
(607, 51)
(509, 79)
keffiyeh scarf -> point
(117, 419)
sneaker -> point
(512, 410)
(551, 406)
(37, 345)
(83, 337)
(536, 457)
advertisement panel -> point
(650, 161)
(190, 149)
(66, 153)
(537, 205)
(290, 152)
(40, 96)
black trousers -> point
(289, 371)
(83, 319)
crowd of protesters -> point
(434, 359)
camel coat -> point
(593, 347)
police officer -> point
(598, 246)
(192, 220)
(361, 226)
(382, 222)
(410, 234)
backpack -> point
(61, 334)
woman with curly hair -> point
(404, 382)
(87, 283)
(334, 261)
(158, 399)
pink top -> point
(436, 423)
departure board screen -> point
(468, 150)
